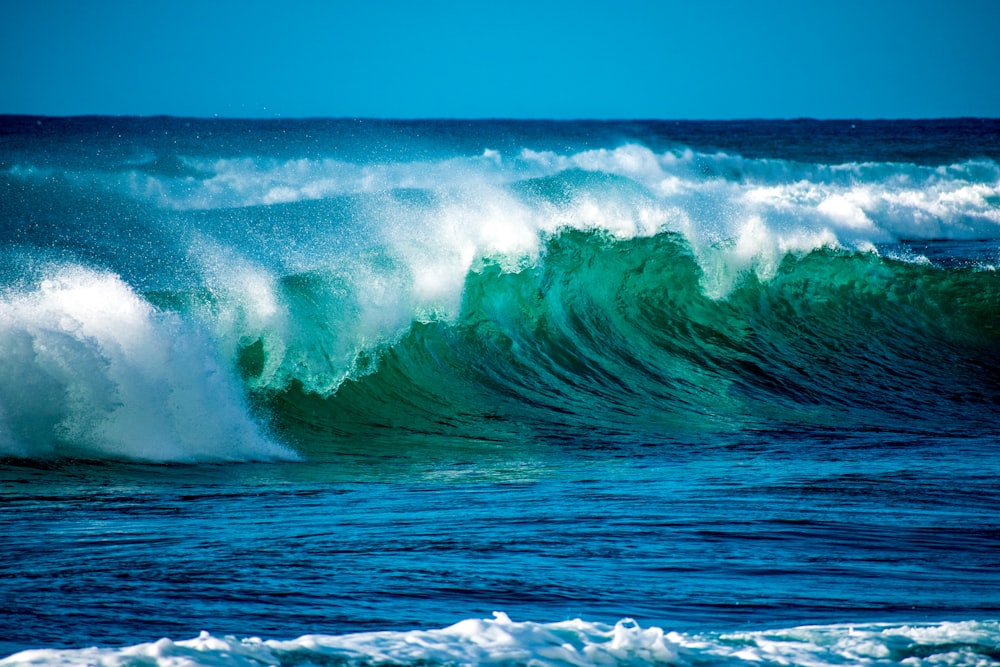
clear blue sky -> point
(503, 58)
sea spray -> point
(93, 370)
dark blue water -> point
(265, 378)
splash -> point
(93, 370)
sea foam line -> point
(502, 641)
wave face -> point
(501, 641)
(621, 336)
(300, 283)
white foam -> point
(857, 202)
(502, 641)
(713, 199)
(92, 369)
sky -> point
(698, 59)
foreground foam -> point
(93, 370)
(502, 641)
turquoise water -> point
(273, 379)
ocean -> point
(366, 392)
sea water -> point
(499, 392)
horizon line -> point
(505, 119)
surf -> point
(483, 281)
(502, 641)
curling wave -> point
(619, 336)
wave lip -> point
(95, 371)
(501, 641)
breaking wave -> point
(207, 305)
(92, 370)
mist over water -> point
(710, 376)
